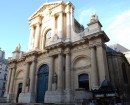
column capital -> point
(60, 50)
(67, 51)
(92, 46)
(32, 26)
(38, 24)
(12, 66)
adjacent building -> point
(64, 61)
(3, 72)
(119, 48)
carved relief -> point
(80, 47)
(42, 56)
(30, 59)
(12, 65)
(82, 67)
(20, 64)
(81, 63)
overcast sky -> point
(114, 15)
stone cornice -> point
(12, 61)
(30, 53)
(97, 34)
(85, 40)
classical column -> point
(31, 39)
(32, 78)
(53, 26)
(60, 72)
(50, 73)
(72, 18)
(12, 80)
(68, 72)
(43, 41)
(95, 80)
(37, 35)
(61, 24)
(8, 81)
(26, 71)
(68, 24)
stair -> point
(32, 104)
(21, 104)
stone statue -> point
(18, 47)
(94, 17)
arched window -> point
(124, 73)
(48, 34)
(83, 81)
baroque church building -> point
(63, 57)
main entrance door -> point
(19, 91)
(42, 83)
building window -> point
(3, 85)
(83, 81)
(5, 68)
(5, 76)
(2, 94)
(0, 66)
(48, 34)
(124, 73)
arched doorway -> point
(42, 83)
(19, 91)
(83, 80)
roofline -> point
(42, 7)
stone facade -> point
(62, 58)
(3, 72)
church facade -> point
(63, 57)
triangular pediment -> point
(44, 7)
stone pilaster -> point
(68, 72)
(8, 81)
(43, 42)
(95, 80)
(32, 78)
(26, 72)
(61, 25)
(31, 39)
(68, 92)
(60, 72)
(50, 73)
(12, 80)
(53, 27)
(37, 34)
(68, 23)
(102, 62)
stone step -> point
(21, 104)
(33, 104)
